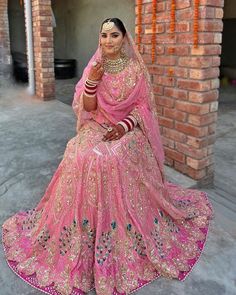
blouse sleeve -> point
(136, 114)
(78, 104)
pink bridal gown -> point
(103, 221)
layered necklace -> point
(114, 66)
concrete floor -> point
(227, 95)
(33, 137)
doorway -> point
(228, 57)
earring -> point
(122, 51)
(103, 54)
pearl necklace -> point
(114, 66)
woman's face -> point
(111, 42)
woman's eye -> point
(112, 36)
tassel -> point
(139, 23)
(195, 23)
(154, 20)
(172, 17)
(172, 31)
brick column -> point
(43, 49)
(185, 82)
(5, 55)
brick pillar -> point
(43, 49)
(185, 82)
(5, 55)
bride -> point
(109, 220)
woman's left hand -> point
(117, 132)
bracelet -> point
(128, 123)
(94, 82)
(90, 87)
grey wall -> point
(230, 9)
(78, 24)
(16, 26)
(228, 57)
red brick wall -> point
(5, 57)
(43, 49)
(186, 82)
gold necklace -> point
(114, 66)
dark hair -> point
(118, 23)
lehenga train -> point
(100, 224)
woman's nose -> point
(108, 40)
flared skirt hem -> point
(33, 282)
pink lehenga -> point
(108, 219)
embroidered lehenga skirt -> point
(100, 223)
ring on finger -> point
(109, 129)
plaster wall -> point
(78, 24)
(228, 57)
(230, 9)
(16, 26)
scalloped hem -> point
(33, 282)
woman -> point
(108, 219)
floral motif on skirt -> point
(103, 221)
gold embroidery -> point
(127, 78)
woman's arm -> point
(89, 94)
(90, 103)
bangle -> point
(94, 82)
(128, 123)
(123, 125)
(90, 88)
(133, 119)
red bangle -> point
(128, 123)
(90, 88)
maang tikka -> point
(107, 26)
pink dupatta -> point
(141, 100)
(141, 103)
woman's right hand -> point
(96, 72)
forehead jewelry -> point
(108, 25)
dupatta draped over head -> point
(141, 101)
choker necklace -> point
(114, 66)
